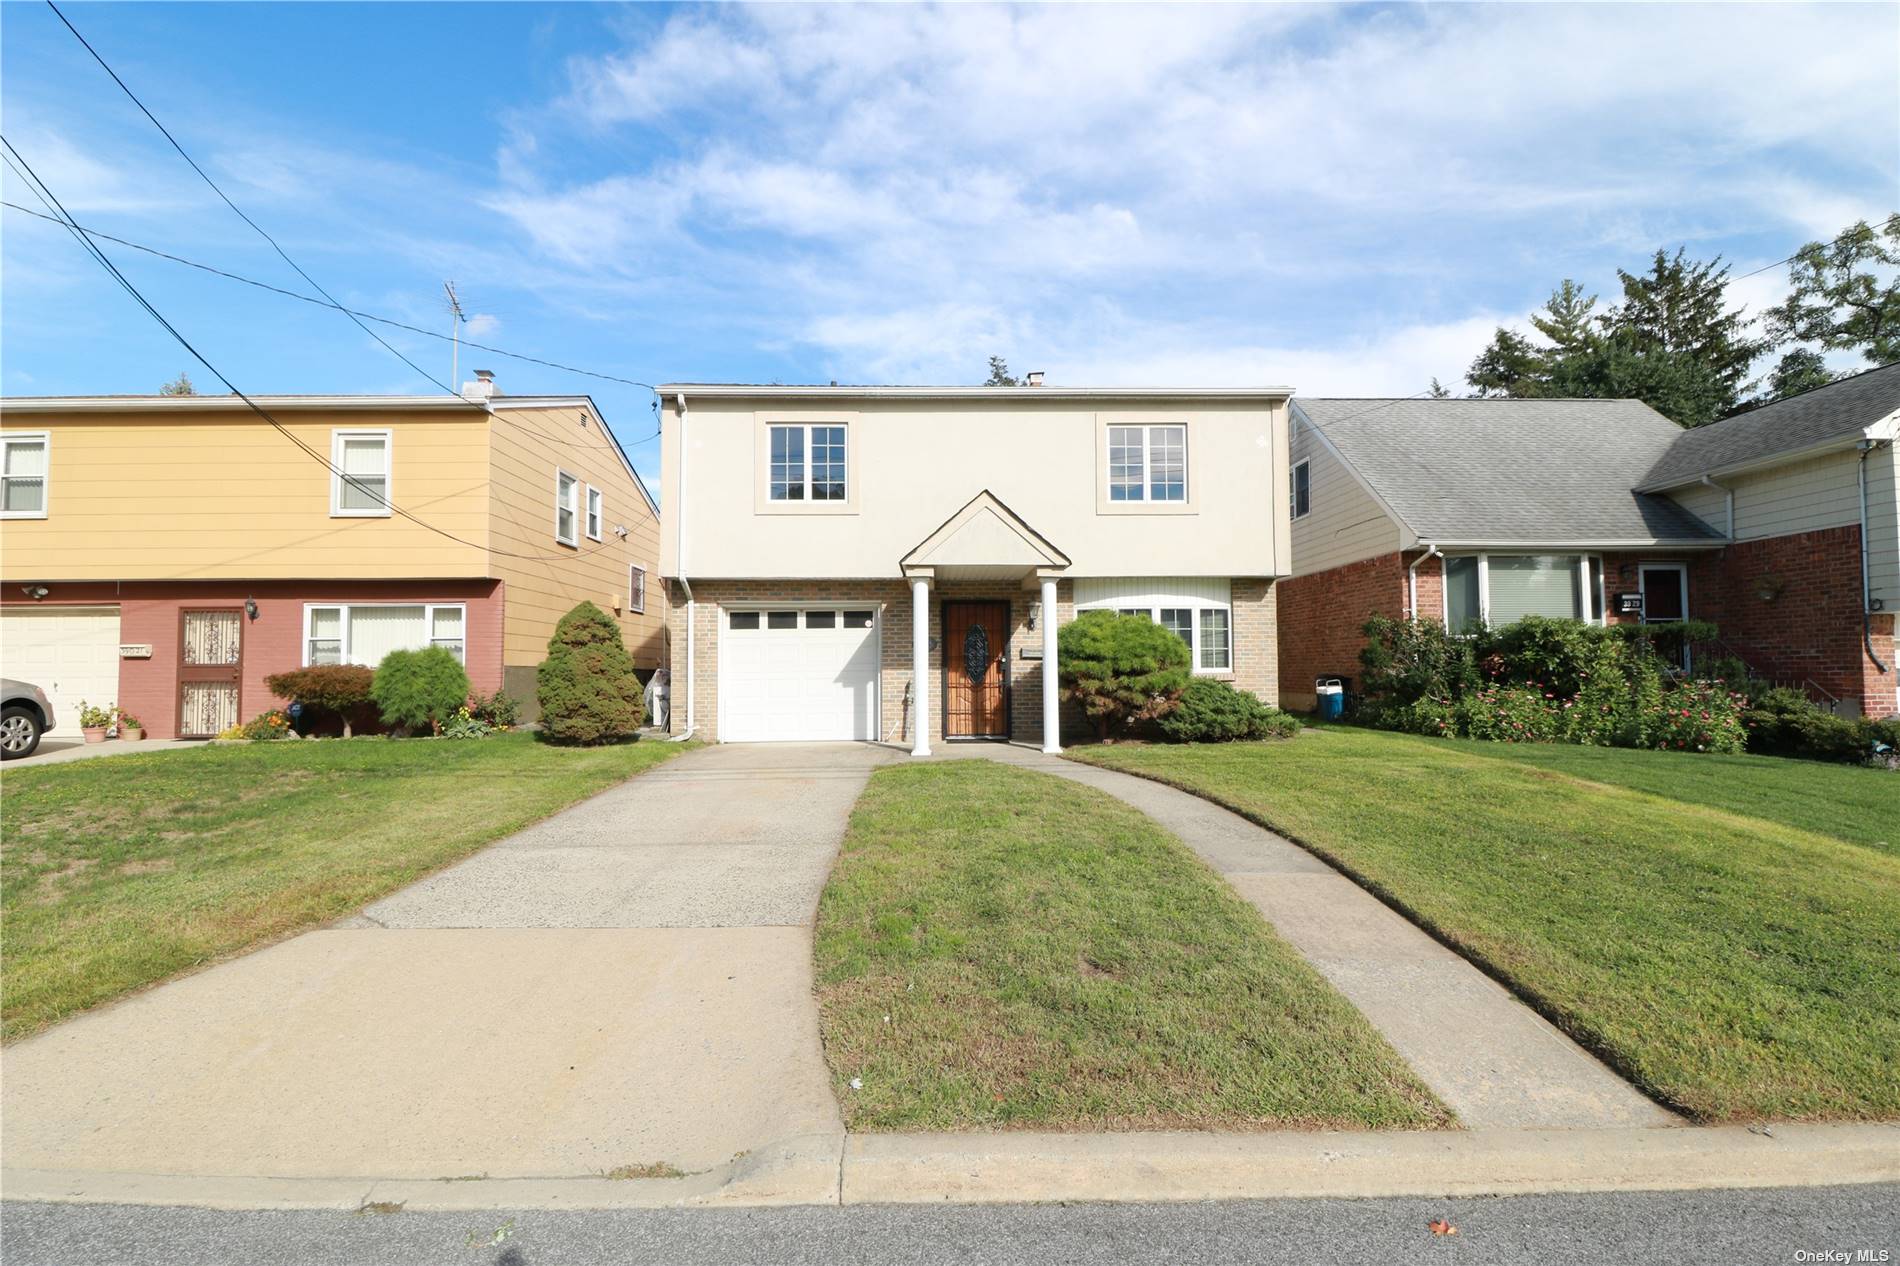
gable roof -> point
(1511, 472)
(984, 535)
(1839, 413)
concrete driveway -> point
(628, 983)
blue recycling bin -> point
(1331, 693)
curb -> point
(825, 1169)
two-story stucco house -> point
(168, 553)
(892, 563)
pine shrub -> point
(586, 686)
(419, 689)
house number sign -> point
(135, 650)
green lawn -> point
(1725, 930)
(1002, 949)
(119, 872)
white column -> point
(920, 665)
(1051, 691)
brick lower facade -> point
(150, 615)
(1255, 640)
(1809, 630)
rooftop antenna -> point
(455, 331)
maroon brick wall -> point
(1810, 629)
(272, 643)
(1321, 616)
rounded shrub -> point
(1121, 668)
(1211, 711)
(586, 686)
(339, 689)
(418, 689)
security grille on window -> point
(1147, 463)
(23, 484)
(362, 633)
(360, 486)
(794, 478)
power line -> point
(42, 191)
(303, 298)
(203, 175)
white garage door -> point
(72, 653)
(805, 674)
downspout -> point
(1728, 495)
(1866, 577)
(1411, 580)
(679, 569)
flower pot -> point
(94, 733)
(131, 735)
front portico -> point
(978, 571)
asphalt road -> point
(1734, 1228)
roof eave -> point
(1578, 543)
(737, 391)
(139, 404)
(1838, 443)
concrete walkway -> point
(1497, 1063)
(628, 983)
(59, 750)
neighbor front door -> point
(1665, 589)
(976, 669)
(210, 666)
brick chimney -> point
(483, 388)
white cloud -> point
(1206, 190)
(481, 325)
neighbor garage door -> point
(809, 673)
(72, 653)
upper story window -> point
(359, 486)
(567, 508)
(23, 484)
(1147, 463)
(807, 463)
(595, 512)
(636, 589)
(1300, 495)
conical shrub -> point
(586, 685)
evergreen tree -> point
(1000, 375)
(1801, 369)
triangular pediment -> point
(985, 533)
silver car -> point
(25, 714)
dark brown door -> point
(976, 669)
(210, 666)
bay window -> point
(362, 633)
(1199, 612)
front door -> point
(1665, 590)
(976, 669)
(210, 666)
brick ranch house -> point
(1778, 525)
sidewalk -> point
(1494, 1061)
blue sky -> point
(1346, 200)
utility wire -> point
(357, 312)
(41, 190)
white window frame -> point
(1584, 559)
(596, 512)
(1198, 607)
(344, 650)
(1293, 489)
(636, 592)
(337, 438)
(1144, 486)
(45, 440)
(805, 482)
(573, 507)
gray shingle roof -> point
(1835, 411)
(1497, 471)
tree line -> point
(1673, 342)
